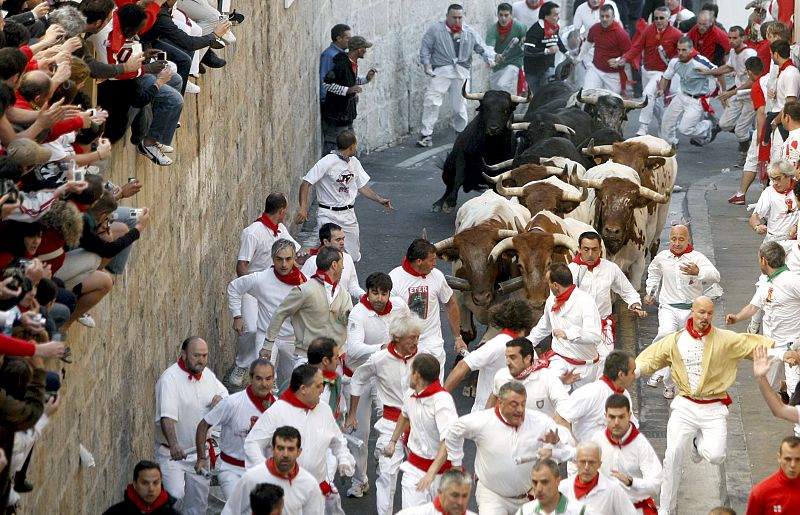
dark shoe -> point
(212, 60)
(714, 131)
(201, 69)
(66, 358)
(235, 18)
(217, 44)
(23, 487)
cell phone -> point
(222, 18)
(78, 175)
(161, 56)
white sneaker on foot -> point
(654, 381)
(154, 154)
(642, 130)
(165, 148)
(669, 392)
(237, 376)
(358, 491)
(425, 141)
(191, 87)
(87, 320)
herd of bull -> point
(561, 171)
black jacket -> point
(128, 507)
(165, 29)
(338, 109)
(535, 60)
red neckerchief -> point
(693, 333)
(694, 53)
(408, 268)
(675, 11)
(579, 260)
(504, 31)
(273, 469)
(192, 375)
(562, 299)
(315, 251)
(743, 48)
(368, 305)
(264, 219)
(259, 402)
(78, 148)
(689, 248)
(537, 6)
(323, 278)
(160, 501)
(598, 5)
(550, 29)
(537, 364)
(294, 278)
(456, 28)
(611, 385)
(581, 488)
(81, 207)
(394, 353)
(354, 66)
(329, 377)
(433, 388)
(437, 504)
(787, 190)
(500, 416)
(631, 437)
(291, 398)
(785, 65)
(509, 332)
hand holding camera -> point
(142, 217)
(131, 188)
(222, 27)
(134, 63)
(9, 290)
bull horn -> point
(630, 104)
(458, 283)
(519, 225)
(444, 244)
(665, 153)
(424, 233)
(562, 240)
(470, 96)
(554, 170)
(649, 194)
(499, 166)
(510, 286)
(547, 161)
(586, 183)
(520, 126)
(591, 101)
(570, 196)
(599, 150)
(506, 233)
(502, 246)
(560, 127)
(518, 118)
(511, 192)
(522, 100)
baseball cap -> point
(26, 152)
(357, 42)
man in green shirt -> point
(506, 37)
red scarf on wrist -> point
(408, 268)
(581, 488)
(562, 299)
(550, 29)
(316, 250)
(432, 389)
(631, 437)
(500, 416)
(368, 305)
(160, 501)
(323, 278)
(598, 5)
(294, 278)
(273, 469)
(504, 31)
(291, 398)
(579, 260)
(394, 353)
(261, 403)
(611, 385)
(688, 249)
(264, 219)
(192, 375)
(693, 332)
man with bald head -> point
(676, 276)
(35, 90)
(704, 360)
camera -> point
(19, 280)
(136, 214)
(79, 175)
(24, 263)
(10, 187)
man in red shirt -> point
(610, 41)
(780, 492)
(710, 40)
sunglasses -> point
(659, 17)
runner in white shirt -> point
(509, 439)
(787, 88)
(255, 255)
(586, 15)
(390, 369)
(515, 318)
(269, 288)
(423, 288)
(300, 407)
(628, 456)
(338, 178)
(677, 12)
(367, 333)
(602, 494)
(301, 494)
(545, 390)
(545, 478)
(679, 275)
(776, 215)
(452, 498)
(332, 235)
(235, 415)
(791, 122)
(185, 392)
(571, 317)
(599, 277)
(526, 11)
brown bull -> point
(549, 194)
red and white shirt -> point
(349, 277)
(255, 245)
(791, 147)
(600, 280)
(545, 390)
(367, 331)
(301, 493)
(606, 497)
(580, 321)
(236, 415)
(424, 296)
(430, 418)
(489, 358)
(391, 372)
(269, 291)
(780, 210)
(586, 408)
(780, 300)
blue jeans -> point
(181, 57)
(166, 107)
(117, 264)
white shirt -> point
(691, 351)
(255, 245)
(607, 498)
(571, 508)
(301, 495)
(349, 277)
(682, 15)
(423, 296)
(599, 282)
(337, 182)
(586, 409)
(780, 210)
(585, 17)
(497, 445)
(780, 300)
(677, 287)
(367, 331)
(185, 401)
(426, 509)
(791, 147)
(392, 375)
(430, 418)
(269, 291)
(318, 432)
(636, 459)
(580, 321)
(545, 390)
(524, 14)
(236, 415)
(736, 61)
(488, 358)
(788, 86)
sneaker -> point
(358, 491)
(87, 320)
(165, 148)
(669, 392)
(654, 381)
(237, 376)
(753, 327)
(736, 200)
(235, 18)
(695, 453)
(425, 141)
(742, 160)
(700, 142)
(714, 131)
(642, 130)
(154, 154)
(191, 87)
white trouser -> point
(228, 475)
(438, 353)
(333, 503)
(78, 265)
(505, 79)
(490, 503)
(596, 79)
(589, 373)
(386, 483)
(738, 117)
(687, 420)
(655, 104)
(751, 163)
(776, 149)
(437, 88)
(363, 415)
(202, 12)
(687, 110)
(193, 30)
(411, 476)
(183, 483)
(670, 320)
(349, 223)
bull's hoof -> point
(448, 208)
(436, 208)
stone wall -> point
(255, 132)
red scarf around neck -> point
(294, 278)
(675, 11)
(533, 4)
(354, 66)
(386, 310)
(787, 191)
(509, 332)
(259, 402)
(329, 377)
(273, 469)
(598, 5)
(456, 28)
(500, 417)
(323, 278)
(264, 219)
(581, 488)
(610, 384)
(579, 260)
(693, 332)
(160, 501)
(408, 268)
(562, 299)
(394, 353)
(291, 398)
(192, 375)
(550, 29)
(432, 389)
(689, 248)
(631, 437)
(437, 505)
(537, 364)
(504, 31)
(316, 250)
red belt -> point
(230, 459)
(391, 413)
(346, 370)
(727, 401)
(648, 506)
(549, 354)
(424, 463)
(326, 488)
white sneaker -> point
(165, 148)
(654, 381)
(237, 376)
(87, 320)
(425, 141)
(154, 154)
(191, 87)
(358, 491)
(642, 130)
(753, 327)
(669, 392)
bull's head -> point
(540, 127)
(546, 195)
(524, 174)
(496, 108)
(609, 110)
(634, 154)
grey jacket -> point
(438, 48)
